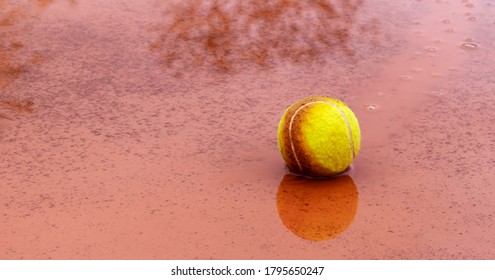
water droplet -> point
(472, 19)
(381, 93)
(469, 39)
(446, 21)
(469, 5)
(371, 107)
(450, 30)
(469, 46)
(406, 78)
(431, 49)
(436, 93)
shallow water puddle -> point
(147, 129)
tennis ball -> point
(318, 136)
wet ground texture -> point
(147, 129)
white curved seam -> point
(290, 135)
(351, 142)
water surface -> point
(147, 129)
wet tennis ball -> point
(319, 136)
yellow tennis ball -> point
(319, 136)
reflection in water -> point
(13, 60)
(229, 34)
(317, 209)
(9, 15)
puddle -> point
(147, 129)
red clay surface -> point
(147, 129)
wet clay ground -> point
(147, 129)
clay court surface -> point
(147, 129)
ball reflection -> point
(317, 209)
